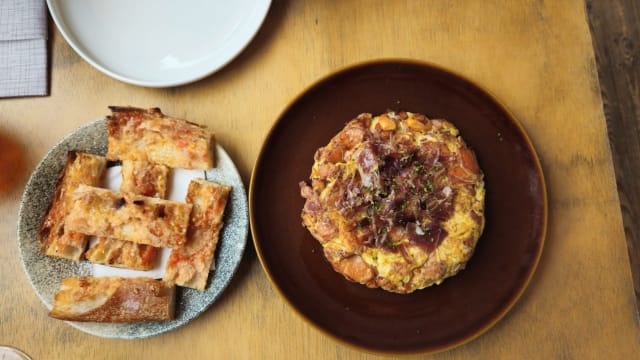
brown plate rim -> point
(390, 61)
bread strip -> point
(190, 265)
(122, 254)
(149, 135)
(55, 238)
(114, 299)
(142, 178)
(126, 216)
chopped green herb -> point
(383, 230)
(405, 159)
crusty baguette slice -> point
(122, 254)
(190, 264)
(55, 238)
(142, 178)
(126, 216)
(149, 135)
(114, 299)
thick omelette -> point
(396, 201)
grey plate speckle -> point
(45, 272)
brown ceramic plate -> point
(429, 320)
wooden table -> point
(536, 57)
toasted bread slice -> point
(126, 216)
(55, 238)
(144, 178)
(190, 264)
(114, 299)
(123, 254)
(149, 135)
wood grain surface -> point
(616, 42)
(535, 56)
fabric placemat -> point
(23, 48)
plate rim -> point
(217, 65)
(176, 323)
(530, 147)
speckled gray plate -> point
(45, 272)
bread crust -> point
(126, 216)
(190, 264)
(144, 178)
(56, 240)
(114, 300)
(149, 135)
